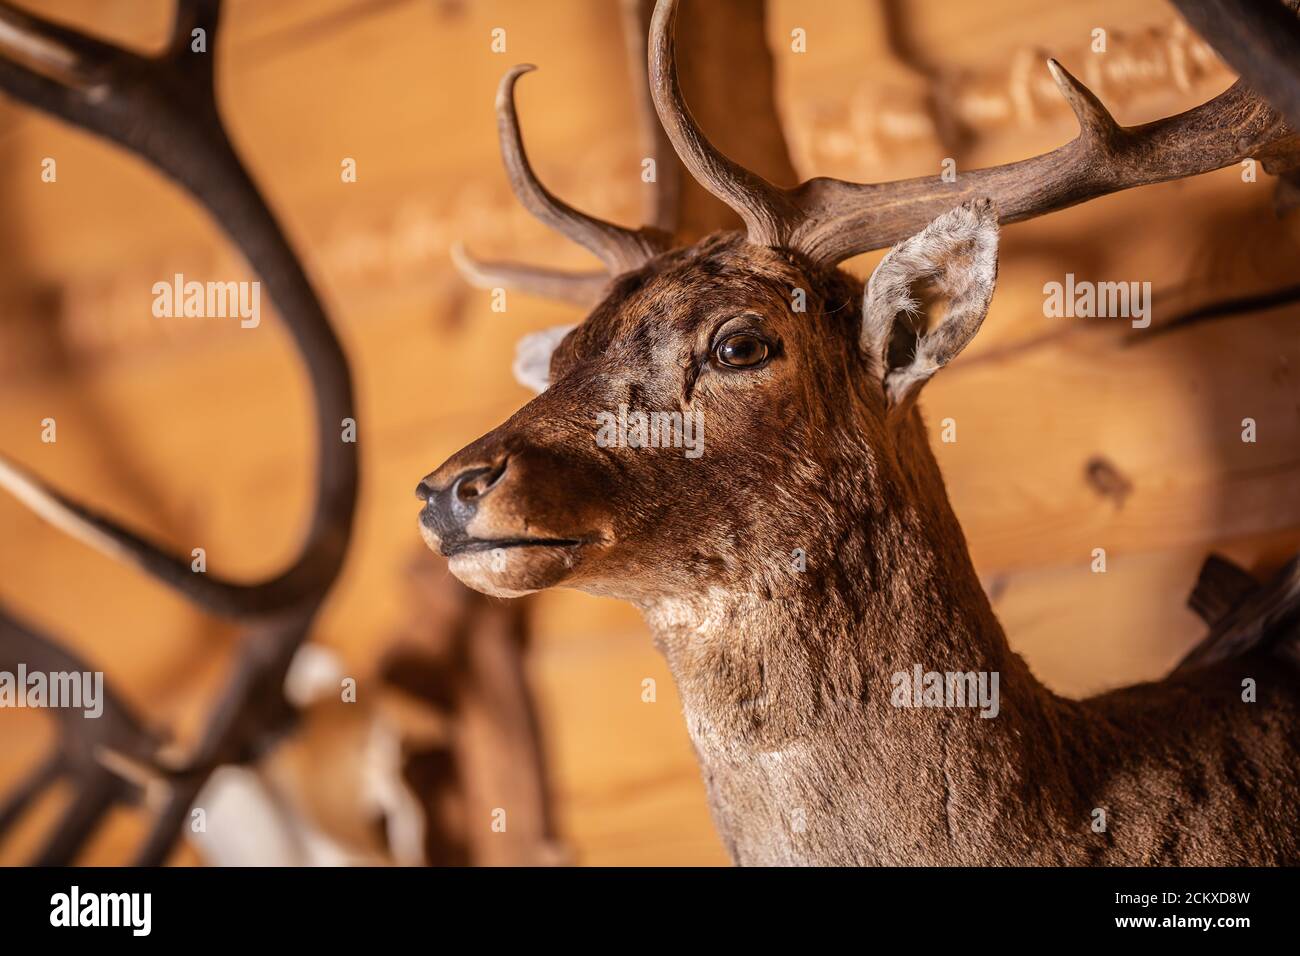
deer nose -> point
(452, 506)
(474, 483)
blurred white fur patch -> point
(314, 672)
(532, 366)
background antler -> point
(163, 109)
(830, 220)
(1261, 41)
(90, 752)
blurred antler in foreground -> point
(163, 109)
(87, 749)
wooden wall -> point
(196, 429)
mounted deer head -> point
(808, 558)
(761, 338)
(759, 355)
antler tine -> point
(132, 98)
(117, 727)
(620, 249)
(46, 56)
(1096, 125)
(767, 210)
(121, 544)
(584, 289)
(577, 288)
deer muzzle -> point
(493, 524)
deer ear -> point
(928, 297)
(533, 353)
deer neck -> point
(799, 691)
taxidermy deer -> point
(813, 442)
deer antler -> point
(163, 109)
(830, 220)
(576, 288)
(675, 205)
(86, 747)
(581, 288)
(620, 249)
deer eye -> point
(741, 350)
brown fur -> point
(785, 675)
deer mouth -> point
(513, 566)
(451, 549)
